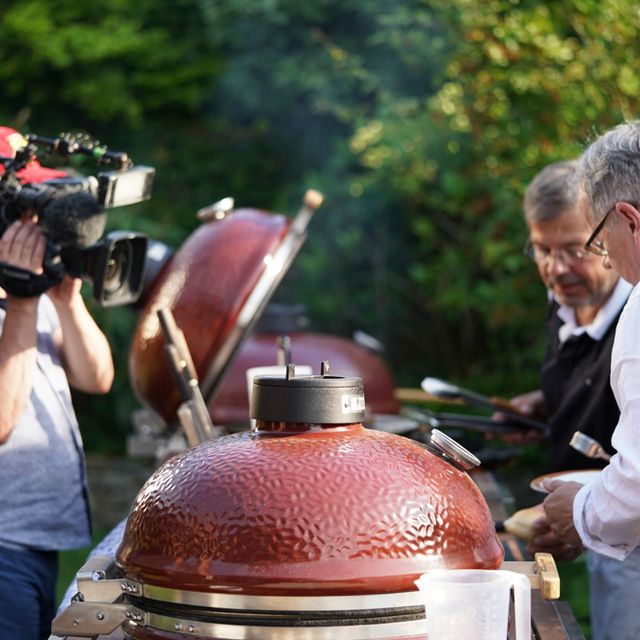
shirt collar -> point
(601, 323)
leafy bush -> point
(421, 120)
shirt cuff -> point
(580, 503)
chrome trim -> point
(243, 632)
(216, 211)
(282, 603)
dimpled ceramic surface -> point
(342, 510)
(205, 286)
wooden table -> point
(552, 619)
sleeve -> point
(607, 513)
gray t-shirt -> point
(43, 490)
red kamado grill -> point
(283, 331)
(309, 526)
(217, 286)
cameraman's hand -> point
(66, 293)
(23, 245)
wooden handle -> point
(501, 403)
(418, 395)
(313, 199)
(548, 578)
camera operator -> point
(47, 343)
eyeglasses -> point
(541, 254)
(596, 246)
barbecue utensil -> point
(587, 446)
(448, 391)
(482, 424)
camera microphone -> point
(74, 219)
(70, 219)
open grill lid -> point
(216, 287)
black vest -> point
(574, 378)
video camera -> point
(70, 211)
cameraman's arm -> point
(85, 351)
(21, 245)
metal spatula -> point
(446, 390)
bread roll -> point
(520, 524)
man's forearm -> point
(18, 351)
(85, 350)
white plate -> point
(583, 476)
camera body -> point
(71, 213)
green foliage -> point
(103, 63)
(421, 120)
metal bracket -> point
(87, 620)
(99, 581)
(93, 610)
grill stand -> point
(107, 600)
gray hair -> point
(551, 192)
(609, 170)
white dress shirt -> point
(606, 513)
(601, 323)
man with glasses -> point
(586, 299)
(604, 516)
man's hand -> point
(529, 404)
(531, 525)
(546, 541)
(558, 507)
(23, 245)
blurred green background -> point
(421, 121)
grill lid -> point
(216, 286)
(309, 503)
